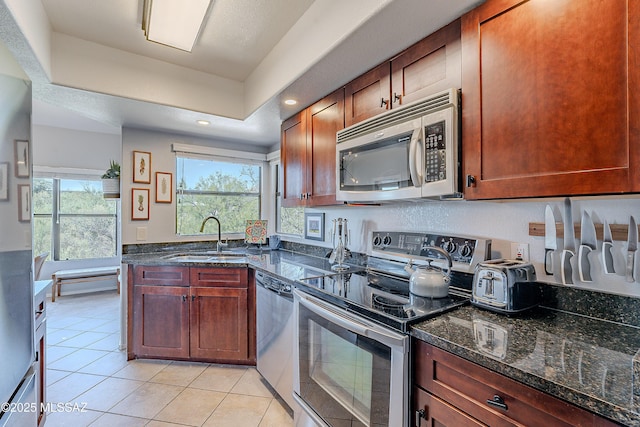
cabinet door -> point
(219, 324)
(326, 117)
(430, 411)
(368, 95)
(428, 67)
(293, 158)
(161, 321)
(547, 108)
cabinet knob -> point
(471, 181)
(498, 402)
(396, 97)
(384, 102)
(184, 298)
(420, 414)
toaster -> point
(505, 286)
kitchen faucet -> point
(219, 245)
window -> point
(288, 220)
(72, 220)
(229, 190)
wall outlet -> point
(141, 233)
(520, 251)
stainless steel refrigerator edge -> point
(17, 381)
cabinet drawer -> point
(160, 275)
(470, 387)
(219, 277)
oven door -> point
(348, 371)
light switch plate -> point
(141, 233)
(520, 251)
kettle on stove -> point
(430, 281)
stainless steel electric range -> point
(381, 292)
(351, 350)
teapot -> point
(429, 281)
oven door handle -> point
(359, 326)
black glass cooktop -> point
(379, 297)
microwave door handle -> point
(414, 167)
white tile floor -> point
(87, 373)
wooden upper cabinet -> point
(325, 119)
(293, 155)
(548, 100)
(427, 67)
(368, 95)
(308, 153)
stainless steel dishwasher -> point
(275, 326)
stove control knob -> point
(449, 246)
(286, 288)
(466, 250)
(377, 240)
(387, 240)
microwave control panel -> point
(435, 152)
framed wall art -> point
(22, 155)
(140, 204)
(24, 202)
(314, 226)
(142, 167)
(164, 187)
(4, 181)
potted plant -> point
(111, 181)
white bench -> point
(83, 275)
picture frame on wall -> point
(314, 226)
(4, 181)
(142, 167)
(164, 187)
(24, 202)
(21, 155)
(139, 204)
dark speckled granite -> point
(588, 362)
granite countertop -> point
(591, 363)
(290, 266)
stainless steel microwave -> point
(412, 152)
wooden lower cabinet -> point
(209, 318)
(446, 386)
(161, 321)
(219, 324)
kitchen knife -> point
(550, 241)
(632, 246)
(569, 245)
(607, 246)
(588, 243)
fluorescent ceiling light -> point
(174, 23)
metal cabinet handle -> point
(420, 414)
(184, 298)
(396, 97)
(384, 102)
(471, 180)
(498, 402)
(193, 297)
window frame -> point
(179, 192)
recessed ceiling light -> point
(290, 101)
(203, 122)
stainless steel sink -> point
(203, 257)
